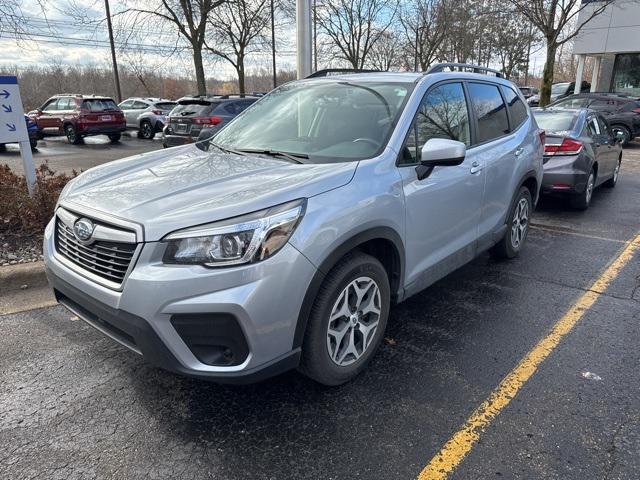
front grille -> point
(109, 260)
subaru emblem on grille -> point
(83, 229)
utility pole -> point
(273, 46)
(315, 35)
(113, 51)
(303, 22)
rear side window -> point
(604, 105)
(490, 111)
(593, 126)
(570, 103)
(52, 105)
(99, 104)
(442, 114)
(517, 108)
(138, 105)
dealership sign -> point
(13, 127)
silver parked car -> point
(148, 115)
(285, 244)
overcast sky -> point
(63, 39)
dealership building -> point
(613, 40)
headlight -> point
(245, 239)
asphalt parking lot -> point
(63, 157)
(75, 405)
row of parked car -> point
(77, 116)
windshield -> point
(326, 121)
(559, 87)
(553, 122)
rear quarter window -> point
(490, 111)
(517, 108)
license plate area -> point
(105, 117)
(181, 128)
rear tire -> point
(34, 145)
(72, 135)
(517, 226)
(3, 147)
(347, 320)
(146, 130)
(611, 183)
(115, 137)
(582, 200)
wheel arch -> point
(383, 243)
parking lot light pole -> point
(303, 27)
(113, 50)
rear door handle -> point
(519, 151)
(475, 167)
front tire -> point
(347, 320)
(517, 226)
(611, 183)
(72, 136)
(583, 200)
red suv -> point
(78, 116)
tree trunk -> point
(197, 63)
(240, 70)
(547, 75)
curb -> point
(14, 277)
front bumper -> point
(264, 298)
(565, 174)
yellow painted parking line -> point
(461, 443)
(552, 229)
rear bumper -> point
(176, 140)
(100, 129)
(565, 174)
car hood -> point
(184, 186)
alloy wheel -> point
(146, 130)
(616, 172)
(520, 223)
(589, 189)
(353, 321)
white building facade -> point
(613, 39)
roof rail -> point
(338, 71)
(464, 67)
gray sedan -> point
(581, 153)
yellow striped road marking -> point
(553, 229)
(461, 443)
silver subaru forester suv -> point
(284, 243)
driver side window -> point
(443, 113)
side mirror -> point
(440, 152)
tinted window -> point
(603, 105)
(516, 108)
(553, 122)
(230, 108)
(575, 102)
(490, 111)
(138, 105)
(99, 104)
(442, 114)
(593, 126)
(126, 105)
(165, 105)
(604, 127)
(191, 109)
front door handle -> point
(519, 151)
(475, 167)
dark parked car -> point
(580, 153)
(528, 92)
(34, 134)
(78, 116)
(621, 111)
(192, 115)
(558, 91)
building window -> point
(626, 74)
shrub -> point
(21, 214)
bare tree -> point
(424, 25)
(513, 40)
(557, 21)
(354, 26)
(190, 18)
(238, 26)
(384, 55)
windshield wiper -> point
(226, 149)
(293, 157)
